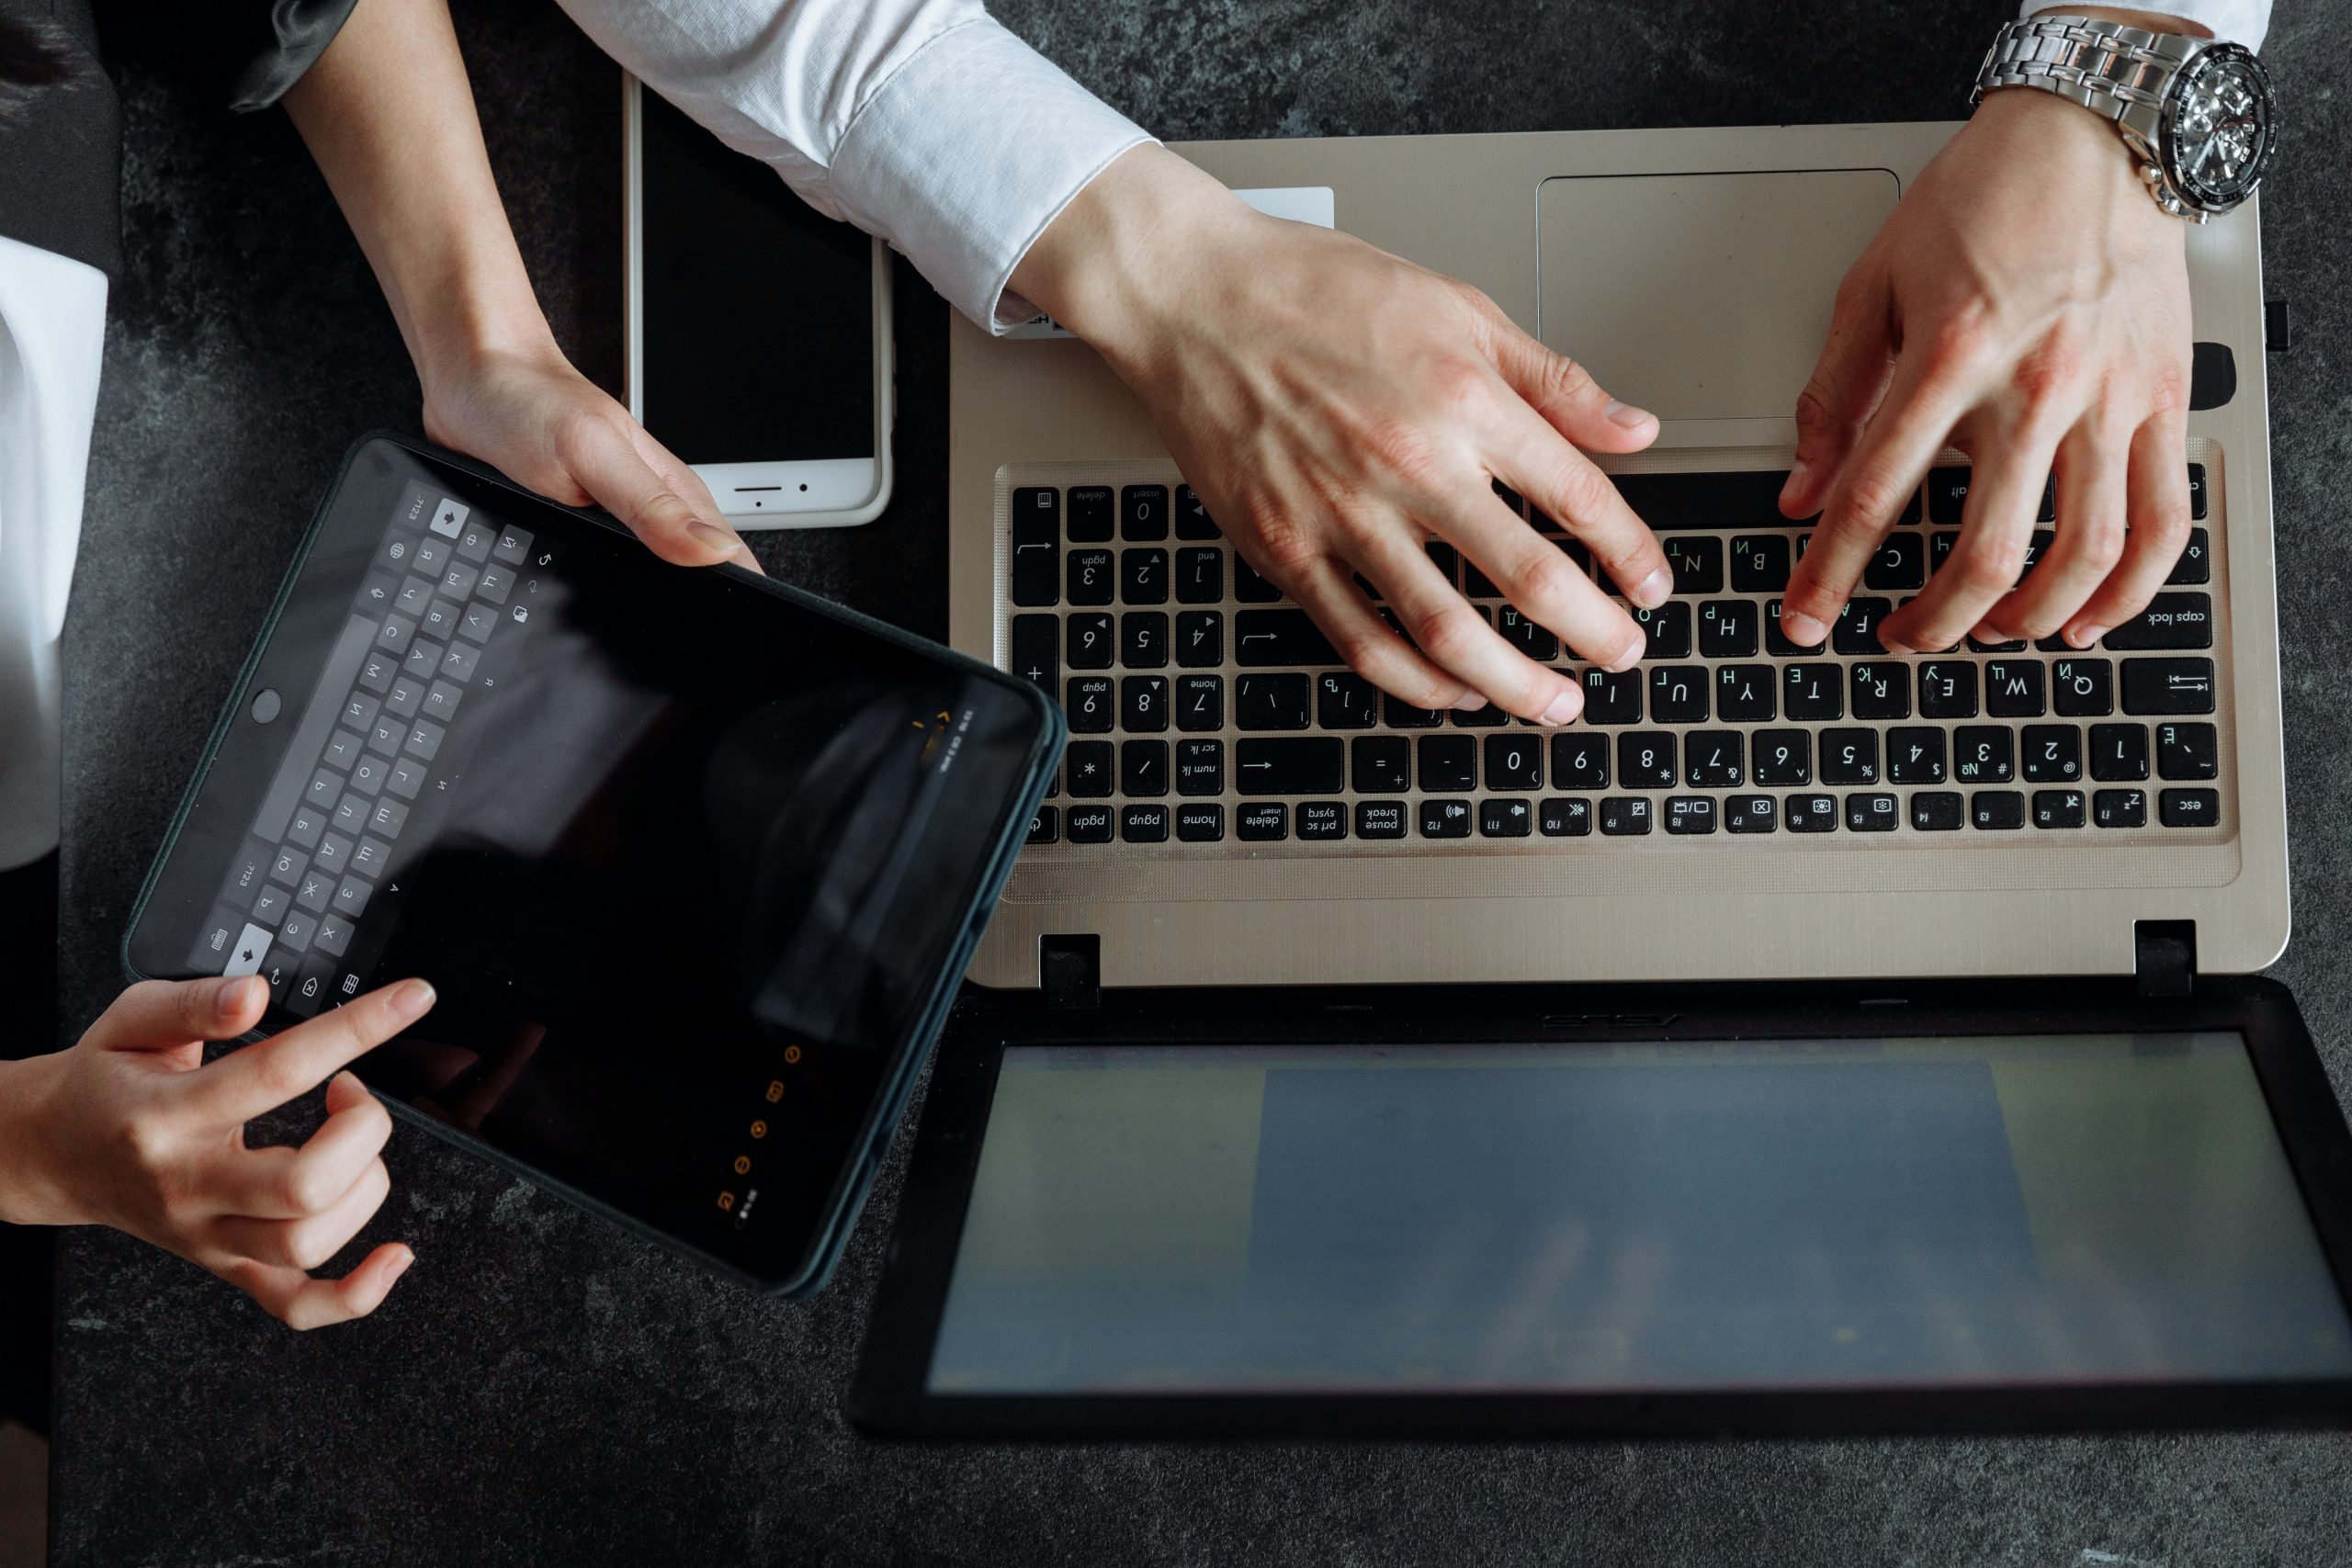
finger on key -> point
(1562, 483)
(1996, 532)
(244, 1084)
(1326, 590)
(2088, 474)
(1458, 639)
(289, 1183)
(2157, 499)
(1546, 587)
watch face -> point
(2218, 127)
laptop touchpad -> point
(1701, 296)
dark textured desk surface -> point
(541, 1389)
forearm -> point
(388, 115)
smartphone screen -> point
(756, 314)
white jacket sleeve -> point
(2232, 21)
(924, 122)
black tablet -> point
(694, 861)
(1677, 1211)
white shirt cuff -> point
(2232, 21)
(965, 154)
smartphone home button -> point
(265, 705)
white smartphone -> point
(759, 346)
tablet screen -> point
(685, 860)
(1849, 1212)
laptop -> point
(2003, 866)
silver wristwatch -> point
(2196, 114)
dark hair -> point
(34, 55)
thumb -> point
(1563, 391)
(1849, 380)
(604, 461)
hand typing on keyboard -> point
(130, 1128)
(2027, 303)
(1335, 407)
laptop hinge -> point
(2163, 958)
(1069, 968)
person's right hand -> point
(1334, 407)
(130, 1128)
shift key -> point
(1289, 765)
(2171, 620)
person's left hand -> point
(528, 413)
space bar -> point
(310, 735)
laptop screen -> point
(1580, 1217)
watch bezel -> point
(2195, 193)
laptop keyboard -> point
(1206, 710)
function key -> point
(1445, 819)
(1812, 813)
(2190, 808)
(2120, 808)
(1690, 816)
(1625, 816)
(1143, 513)
(1936, 811)
(1505, 819)
(1089, 514)
(1565, 817)
(2058, 809)
(1751, 814)
(1037, 545)
(1192, 519)
(1875, 813)
(1996, 810)
(2167, 685)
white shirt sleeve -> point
(924, 122)
(2232, 21)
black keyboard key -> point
(1515, 760)
(1505, 819)
(1510, 498)
(1565, 816)
(1285, 638)
(1143, 703)
(1037, 545)
(1625, 816)
(1200, 576)
(1530, 637)
(1380, 819)
(1199, 767)
(1677, 694)
(1760, 563)
(1290, 766)
(1667, 628)
(1745, 694)
(1087, 768)
(1783, 757)
(1690, 816)
(1727, 629)
(1449, 762)
(1271, 701)
(2167, 685)
(1948, 689)
(1143, 513)
(1142, 768)
(1901, 562)
(1322, 819)
(1486, 718)
(1090, 824)
(1751, 814)
(1937, 811)
(1144, 824)
(2036, 547)
(1996, 810)
(1381, 764)
(1644, 760)
(2082, 688)
(2053, 753)
(1045, 827)
(1346, 701)
(1094, 578)
(2190, 808)
(1261, 822)
(1882, 689)
(1143, 577)
(1813, 690)
(1089, 514)
(1401, 715)
(1199, 639)
(1090, 704)
(1875, 813)
(1192, 519)
(1856, 629)
(1091, 645)
(1811, 813)
(1199, 703)
(2197, 492)
(1848, 756)
(1445, 819)
(1446, 559)
(2171, 620)
(1697, 562)
(1978, 645)
(1200, 822)
(1914, 755)
(1776, 642)
(1476, 584)
(1947, 494)
(2013, 688)
(2196, 562)
(2120, 808)
(1984, 753)
(2188, 751)
(1612, 696)
(2059, 808)
(1714, 759)
(1249, 588)
(1740, 499)
(1143, 639)
(2118, 753)
(1579, 761)
(1032, 653)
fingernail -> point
(1801, 629)
(713, 537)
(1795, 484)
(1627, 660)
(235, 996)
(401, 1267)
(1900, 649)
(1654, 589)
(1468, 701)
(409, 998)
(1565, 706)
(2083, 636)
(1625, 416)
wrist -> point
(2079, 155)
(468, 316)
(29, 1194)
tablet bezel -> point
(889, 1396)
